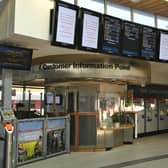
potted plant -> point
(116, 119)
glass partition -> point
(109, 104)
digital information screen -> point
(58, 99)
(163, 52)
(15, 58)
(130, 39)
(65, 25)
(111, 34)
(148, 48)
(90, 30)
(49, 98)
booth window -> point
(119, 11)
(143, 18)
(28, 103)
(98, 5)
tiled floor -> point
(148, 152)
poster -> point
(55, 136)
(30, 140)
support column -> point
(6, 89)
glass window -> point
(143, 18)
(162, 22)
(69, 1)
(94, 5)
(33, 99)
(119, 11)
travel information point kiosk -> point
(6, 139)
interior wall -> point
(159, 73)
(112, 88)
(32, 18)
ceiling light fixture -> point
(135, 1)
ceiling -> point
(44, 52)
(158, 7)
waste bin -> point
(6, 134)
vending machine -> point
(151, 118)
(163, 114)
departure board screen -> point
(12, 57)
(148, 45)
(111, 35)
(130, 39)
(163, 52)
(90, 30)
(65, 25)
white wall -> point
(32, 18)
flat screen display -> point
(49, 98)
(15, 57)
(90, 30)
(163, 51)
(130, 39)
(65, 25)
(111, 35)
(148, 45)
(58, 99)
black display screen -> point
(130, 39)
(15, 57)
(65, 25)
(163, 47)
(111, 35)
(148, 45)
(90, 22)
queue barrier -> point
(6, 144)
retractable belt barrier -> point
(6, 140)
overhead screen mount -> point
(84, 29)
